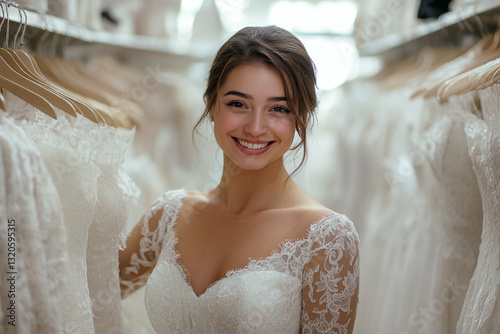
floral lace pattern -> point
(67, 153)
(30, 211)
(84, 160)
(308, 285)
(481, 311)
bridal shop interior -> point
(99, 99)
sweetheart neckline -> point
(251, 260)
(233, 273)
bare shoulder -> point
(193, 198)
(194, 203)
(304, 210)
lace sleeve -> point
(331, 278)
(143, 246)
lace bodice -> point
(308, 285)
(115, 192)
(481, 311)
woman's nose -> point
(256, 123)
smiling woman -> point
(252, 123)
(283, 53)
(256, 254)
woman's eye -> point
(235, 104)
(281, 110)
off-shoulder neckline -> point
(284, 244)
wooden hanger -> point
(101, 99)
(20, 86)
(415, 69)
(30, 67)
(466, 79)
(479, 74)
(428, 89)
(28, 76)
(116, 92)
(474, 79)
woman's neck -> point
(245, 191)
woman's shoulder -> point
(180, 196)
(321, 222)
(313, 221)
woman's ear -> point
(211, 114)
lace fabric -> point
(85, 161)
(481, 311)
(443, 234)
(115, 191)
(424, 233)
(32, 233)
(68, 153)
(263, 297)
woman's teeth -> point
(252, 146)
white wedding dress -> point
(441, 232)
(318, 273)
(481, 311)
(32, 234)
(68, 153)
(115, 192)
(85, 162)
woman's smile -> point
(252, 123)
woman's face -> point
(252, 123)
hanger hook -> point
(20, 26)
(6, 42)
(3, 14)
(21, 43)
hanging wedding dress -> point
(394, 179)
(67, 151)
(440, 241)
(416, 274)
(115, 192)
(31, 216)
(481, 311)
(263, 297)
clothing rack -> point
(70, 39)
(450, 28)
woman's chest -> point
(246, 301)
(207, 249)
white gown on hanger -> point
(263, 297)
(423, 238)
(68, 154)
(393, 180)
(440, 243)
(115, 191)
(35, 238)
(481, 311)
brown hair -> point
(282, 51)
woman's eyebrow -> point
(240, 94)
(250, 97)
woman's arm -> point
(142, 249)
(331, 280)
